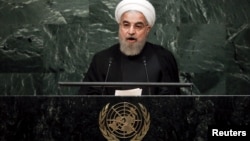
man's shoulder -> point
(159, 48)
(108, 51)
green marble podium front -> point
(77, 118)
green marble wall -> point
(43, 42)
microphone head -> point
(110, 60)
(144, 59)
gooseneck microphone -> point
(107, 74)
(146, 71)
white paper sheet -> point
(130, 92)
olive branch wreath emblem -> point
(111, 137)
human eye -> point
(139, 26)
(125, 25)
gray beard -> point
(131, 49)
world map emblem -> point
(124, 121)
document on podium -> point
(130, 92)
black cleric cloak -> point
(153, 64)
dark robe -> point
(153, 64)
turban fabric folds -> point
(143, 6)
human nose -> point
(131, 30)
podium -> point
(134, 84)
(77, 118)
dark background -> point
(76, 118)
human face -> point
(133, 32)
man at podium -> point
(133, 59)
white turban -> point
(143, 6)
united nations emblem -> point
(124, 121)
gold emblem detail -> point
(124, 120)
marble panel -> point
(60, 118)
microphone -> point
(107, 74)
(146, 71)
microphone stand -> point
(146, 71)
(106, 78)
